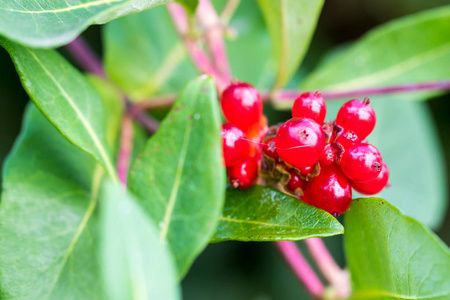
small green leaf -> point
(144, 54)
(66, 98)
(291, 25)
(48, 223)
(264, 214)
(179, 178)
(411, 49)
(391, 256)
(134, 263)
(190, 5)
(57, 22)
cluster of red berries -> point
(241, 136)
(321, 163)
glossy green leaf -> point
(411, 49)
(179, 178)
(291, 24)
(391, 256)
(144, 54)
(66, 98)
(57, 22)
(264, 214)
(135, 264)
(48, 217)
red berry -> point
(300, 142)
(236, 148)
(330, 191)
(242, 106)
(328, 156)
(270, 149)
(310, 105)
(373, 186)
(361, 162)
(295, 182)
(306, 170)
(358, 116)
(347, 139)
(243, 174)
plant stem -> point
(290, 95)
(299, 265)
(157, 101)
(228, 11)
(198, 56)
(337, 277)
(126, 148)
(214, 36)
(89, 61)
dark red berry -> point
(300, 142)
(362, 162)
(330, 191)
(358, 116)
(295, 183)
(373, 186)
(310, 105)
(270, 149)
(242, 175)
(348, 139)
(306, 170)
(328, 155)
(236, 148)
(242, 106)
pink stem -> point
(214, 35)
(337, 277)
(289, 95)
(305, 274)
(198, 56)
(126, 148)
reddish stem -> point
(126, 148)
(198, 56)
(299, 265)
(214, 35)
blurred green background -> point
(236, 270)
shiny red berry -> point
(236, 147)
(373, 186)
(270, 149)
(295, 182)
(348, 139)
(306, 170)
(362, 162)
(300, 142)
(242, 106)
(330, 191)
(328, 156)
(310, 105)
(242, 175)
(358, 116)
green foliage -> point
(48, 217)
(33, 23)
(66, 99)
(264, 214)
(291, 24)
(391, 256)
(134, 263)
(179, 177)
(411, 49)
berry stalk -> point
(299, 265)
(126, 148)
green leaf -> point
(66, 98)
(179, 178)
(411, 49)
(291, 25)
(144, 54)
(189, 5)
(57, 22)
(134, 263)
(391, 256)
(48, 217)
(264, 214)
